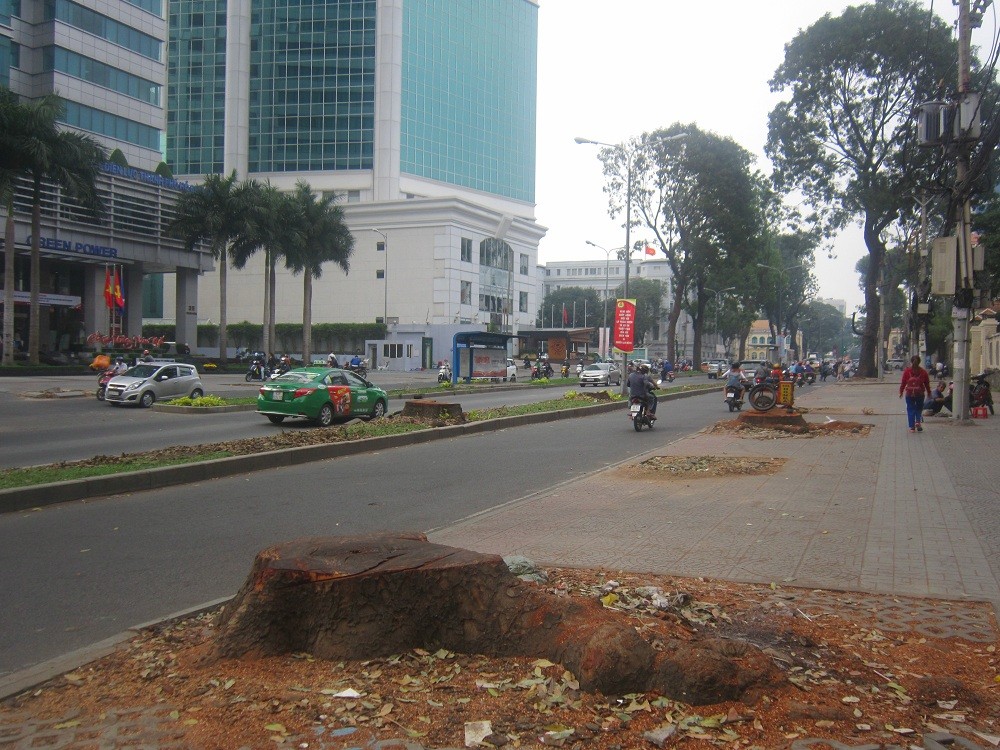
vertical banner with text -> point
(624, 325)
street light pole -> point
(627, 251)
(607, 276)
(385, 279)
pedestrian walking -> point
(915, 385)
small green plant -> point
(200, 401)
(570, 394)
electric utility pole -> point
(961, 311)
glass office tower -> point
(395, 106)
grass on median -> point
(10, 478)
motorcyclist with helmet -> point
(120, 365)
(735, 379)
(641, 385)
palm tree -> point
(273, 225)
(324, 238)
(36, 148)
(213, 212)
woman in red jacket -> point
(914, 385)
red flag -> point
(565, 315)
(119, 297)
(650, 251)
(109, 297)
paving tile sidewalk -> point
(879, 514)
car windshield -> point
(142, 371)
(596, 368)
(296, 376)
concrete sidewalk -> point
(891, 513)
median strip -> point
(340, 443)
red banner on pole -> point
(625, 325)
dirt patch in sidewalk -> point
(812, 429)
(693, 467)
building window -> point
(522, 302)
(392, 351)
(466, 292)
(380, 247)
(466, 250)
(380, 273)
(524, 264)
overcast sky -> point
(613, 70)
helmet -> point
(735, 365)
(643, 368)
(119, 358)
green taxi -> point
(321, 394)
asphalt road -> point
(43, 430)
(78, 573)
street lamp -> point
(781, 277)
(629, 165)
(385, 279)
(716, 304)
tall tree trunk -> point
(34, 312)
(307, 296)
(8, 287)
(268, 344)
(672, 317)
(223, 336)
(272, 280)
(869, 336)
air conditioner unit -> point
(929, 123)
(944, 261)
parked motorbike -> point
(102, 381)
(979, 392)
(638, 413)
(444, 373)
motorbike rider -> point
(735, 379)
(331, 360)
(355, 361)
(120, 366)
(641, 385)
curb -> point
(41, 495)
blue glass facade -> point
(312, 85)
(106, 28)
(196, 71)
(469, 94)
(87, 69)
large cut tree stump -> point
(367, 596)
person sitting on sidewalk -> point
(940, 398)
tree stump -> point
(425, 408)
(367, 596)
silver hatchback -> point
(146, 383)
(600, 373)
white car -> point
(511, 371)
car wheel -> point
(146, 399)
(325, 418)
(276, 418)
(197, 393)
(378, 411)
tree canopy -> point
(844, 136)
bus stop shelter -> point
(478, 354)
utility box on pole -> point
(944, 257)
